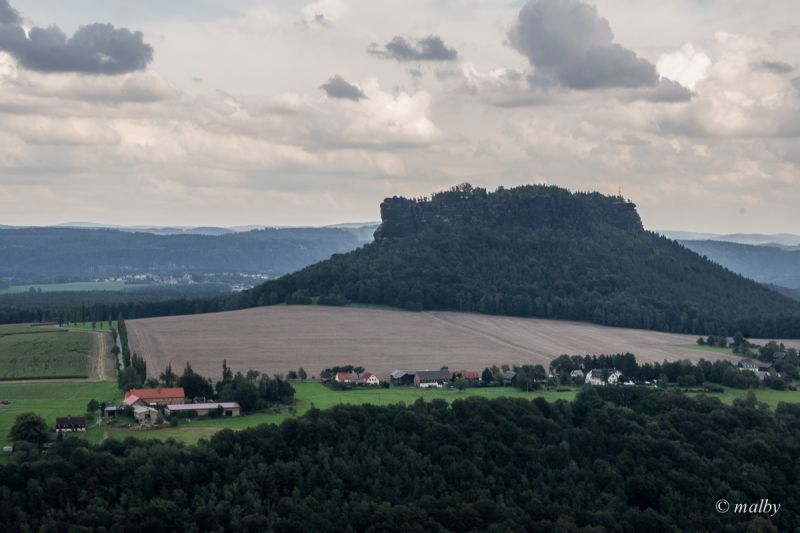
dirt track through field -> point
(281, 338)
(99, 357)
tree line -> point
(615, 459)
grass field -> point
(69, 287)
(61, 399)
(312, 394)
(15, 329)
(705, 348)
(51, 400)
(48, 354)
(87, 326)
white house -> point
(370, 379)
(603, 376)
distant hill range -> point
(775, 239)
(65, 253)
(362, 230)
(537, 251)
(774, 265)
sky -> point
(238, 112)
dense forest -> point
(37, 255)
(537, 251)
(771, 264)
(88, 306)
(615, 459)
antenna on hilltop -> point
(620, 191)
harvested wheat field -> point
(277, 339)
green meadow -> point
(46, 353)
(68, 287)
(52, 399)
(706, 348)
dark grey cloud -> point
(93, 49)
(430, 48)
(8, 15)
(778, 67)
(570, 43)
(666, 91)
(338, 87)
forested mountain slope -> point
(537, 251)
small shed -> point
(111, 411)
(144, 414)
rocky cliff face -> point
(530, 206)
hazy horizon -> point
(222, 113)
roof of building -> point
(157, 394)
(366, 375)
(469, 374)
(195, 406)
(71, 421)
(397, 374)
(131, 400)
(143, 409)
(433, 375)
(603, 372)
(344, 376)
(509, 374)
(577, 372)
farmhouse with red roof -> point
(163, 396)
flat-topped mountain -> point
(537, 251)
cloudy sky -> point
(232, 112)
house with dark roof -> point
(402, 377)
(754, 366)
(160, 396)
(508, 377)
(431, 378)
(576, 374)
(603, 376)
(71, 423)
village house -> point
(754, 366)
(161, 396)
(203, 409)
(431, 378)
(603, 376)
(576, 374)
(402, 377)
(368, 378)
(71, 423)
(508, 377)
(470, 375)
(343, 377)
